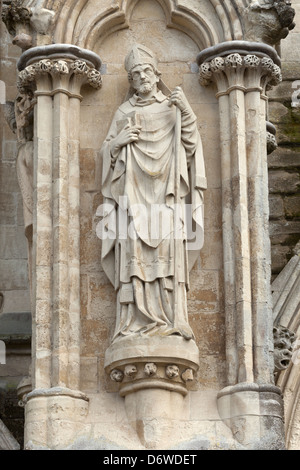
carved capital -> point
(65, 66)
(59, 67)
(232, 63)
(239, 65)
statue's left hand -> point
(179, 99)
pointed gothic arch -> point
(75, 25)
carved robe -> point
(138, 248)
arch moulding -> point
(75, 25)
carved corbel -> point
(23, 22)
(284, 347)
(16, 17)
(268, 21)
(13, 13)
(169, 372)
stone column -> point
(242, 72)
(56, 73)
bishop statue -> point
(152, 184)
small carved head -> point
(116, 375)
(187, 375)
(172, 371)
(150, 369)
(130, 370)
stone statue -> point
(153, 170)
(19, 116)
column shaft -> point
(241, 236)
(74, 241)
(228, 239)
(42, 237)
(259, 234)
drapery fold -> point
(139, 192)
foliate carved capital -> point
(79, 67)
(209, 70)
(59, 67)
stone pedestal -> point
(153, 374)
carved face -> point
(144, 79)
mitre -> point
(139, 55)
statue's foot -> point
(180, 330)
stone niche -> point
(154, 392)
(176, 52)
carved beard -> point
(145, 88)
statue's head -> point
(141, 66)
(140, 56)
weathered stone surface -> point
(285, 157)
(276, 206)
(277, 111)
(283, 182)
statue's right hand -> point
(126, 136)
